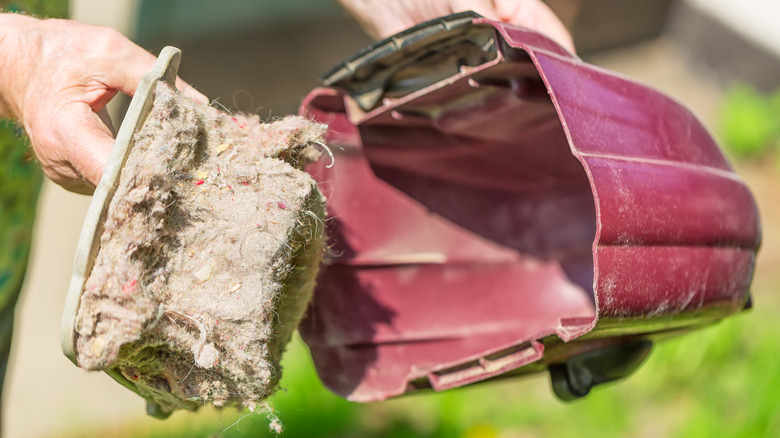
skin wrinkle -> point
(70, 72)
(16, 63)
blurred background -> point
(721, 57)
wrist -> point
(17, 50)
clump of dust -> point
(208, 256)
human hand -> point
(56, 77)
(382, 18)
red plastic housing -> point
(513, 214)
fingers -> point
(535, 15)
(73, 147)
(485, 8)
(89, 145)
(531, 14)
(191, 92)
(82, 139)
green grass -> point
(723, 381)
(750, 122)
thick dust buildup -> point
(207, 257)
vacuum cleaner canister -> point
(500, 207)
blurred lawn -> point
(723, 381)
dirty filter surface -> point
(207, 258)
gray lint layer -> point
(207, 257)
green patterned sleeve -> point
(20, 182)
(38, 8)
